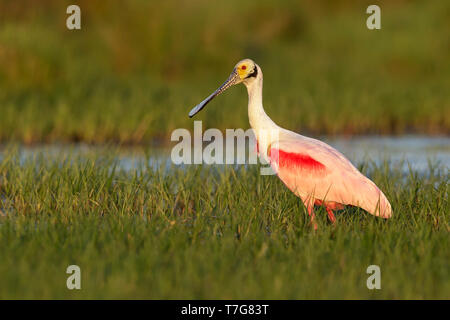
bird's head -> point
(246, 71)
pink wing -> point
(315, 171)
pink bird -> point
(311, 169)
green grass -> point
(208, 232)
(136, 68)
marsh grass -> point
(210, 232)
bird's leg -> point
(331, 215)
(310, 208)
(309, 204)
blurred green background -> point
(136, 68)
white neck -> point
(265, 129)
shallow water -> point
(408, 152)
(416, 152)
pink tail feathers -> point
(386, 209)
(379, 206)
(373, 200)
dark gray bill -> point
(232, 79)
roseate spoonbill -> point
(311, 169)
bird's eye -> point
(244, 67)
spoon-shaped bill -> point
(202, 104)
(232, 80)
